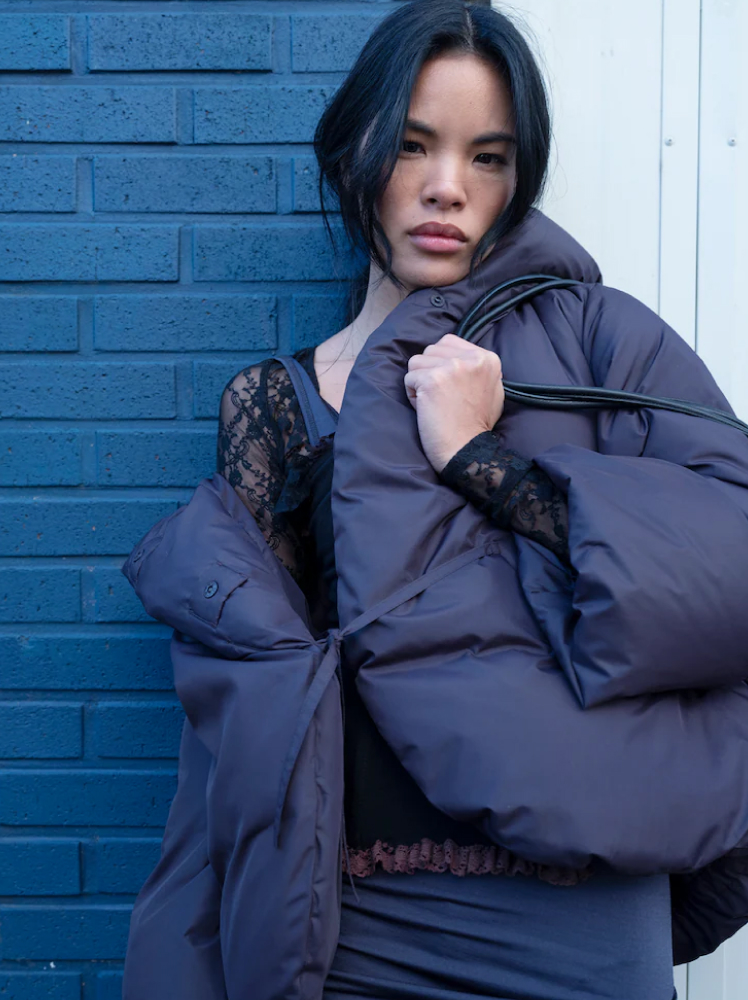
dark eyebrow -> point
(418, 126)
(494, 137)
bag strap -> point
(318, 419)
(571, 397)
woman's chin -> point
(436, 273)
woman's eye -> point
(493, 158)
(408, 145)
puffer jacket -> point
(591, 713)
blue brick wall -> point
(159, 230)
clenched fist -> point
(457, 391)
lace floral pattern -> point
(512, 491)
(263, 451)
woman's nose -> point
(444, 189)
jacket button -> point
(438, 300)
(211, 589)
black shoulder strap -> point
(571, 397)
(318, 418)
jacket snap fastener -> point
(437, 300)
(211, 589)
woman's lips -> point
(438, 237)
(436, 244)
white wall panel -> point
(722, 337)
(681, 981)
(680, 165)
(723, 975)
(603, 64)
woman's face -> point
(455, 169)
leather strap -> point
(566, 397)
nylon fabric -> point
(495, 680)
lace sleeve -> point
(251, 456)
(511, 490)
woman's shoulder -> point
(259, 403)
(265, 388)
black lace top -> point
(263, 451)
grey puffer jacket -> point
(593, 713)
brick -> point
(120, 865)
(96, 662)
(160, 458)
(137, 729)
(56, 797)
(35, 41)
(39, 594)
(79, 525)
(109, 986)
(266, 253)
(35, 985)
(317, 317)
(39, 458)
(210, 379)
(38, 251)
(87, 114)
(306, 187)
(113, 598)
(38, 323)
(207, 322)
(271, 114)
(181, 183)
(39, 867)
(324, 43)
(305, 181)
(61, 932)
(36, 183)
(165, 41)
(38, 729)
(88, 390)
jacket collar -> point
(537, 246)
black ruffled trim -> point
(475, 859)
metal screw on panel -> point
(669, 142)
(732, 142)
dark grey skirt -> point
(432, 936)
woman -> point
(436, 147)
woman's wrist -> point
(481, 446)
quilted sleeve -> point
(244, 660)
(658, 522)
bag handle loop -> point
(566, 397)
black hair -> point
(373, 101)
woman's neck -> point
(381, 299)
